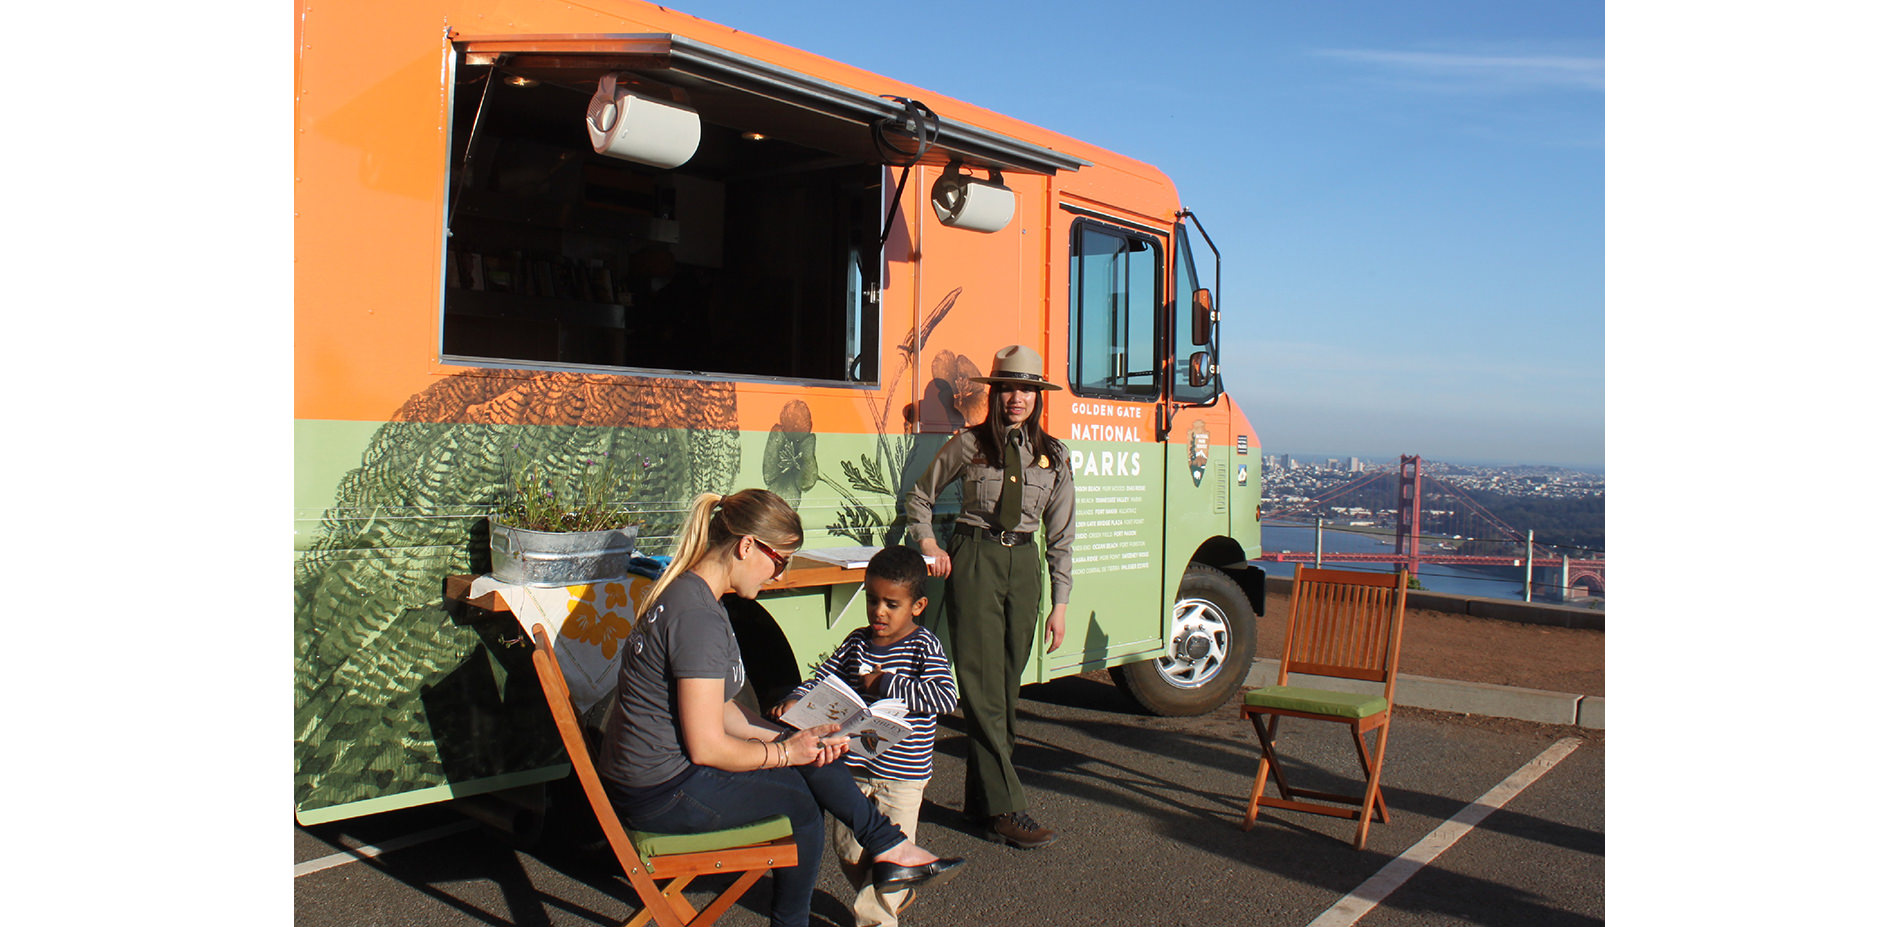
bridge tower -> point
(1406, 544)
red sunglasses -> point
(778, 560)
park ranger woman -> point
(1015, 477)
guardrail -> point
(1560, 616)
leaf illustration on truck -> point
(388, 696)
(882, 476)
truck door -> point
(1210, 629)
(1193, 416)
(1108, 420)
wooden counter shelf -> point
(803, 573)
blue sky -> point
(1409, 197)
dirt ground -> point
(1505, 653)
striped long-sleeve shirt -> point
(915, 671)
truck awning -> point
(751, 95)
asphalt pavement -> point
(1494, 821)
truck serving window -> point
(756, 257)
(1114, 303)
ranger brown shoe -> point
(1019, 830)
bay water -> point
(1493, 583)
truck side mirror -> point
(1198, 372)
(1203, 316)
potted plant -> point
(547, 534)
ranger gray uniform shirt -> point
(1048, 498)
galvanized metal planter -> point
(558, 558)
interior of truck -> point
(754, 251)
(757, 257)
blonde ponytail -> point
(716, 522)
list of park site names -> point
(1108, 529)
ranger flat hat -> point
(1017, 365)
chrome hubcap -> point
(1197, 645)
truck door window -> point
(1185, 283)
(1114, 303)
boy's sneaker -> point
(1019, 830)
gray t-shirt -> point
(685, 635)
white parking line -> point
(374, 850)
(1362, 900)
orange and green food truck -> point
(613, 241)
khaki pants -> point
(900, 800)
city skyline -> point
(1408, 200)
(1370, 460)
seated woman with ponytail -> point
(680, 756)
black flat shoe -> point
(890, 877)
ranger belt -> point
(1005, 538)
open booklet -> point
(851, 558)
(872, 728)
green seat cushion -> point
(1316, 701)
(772, 828)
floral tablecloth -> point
(587, 623)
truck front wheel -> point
(1211, 640)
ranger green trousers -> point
(993, 609)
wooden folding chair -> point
(1343, 624)
(748, 852)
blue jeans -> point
(713, 799)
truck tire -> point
(1211, 640)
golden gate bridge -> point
(1582, 575)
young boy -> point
(890, 657)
